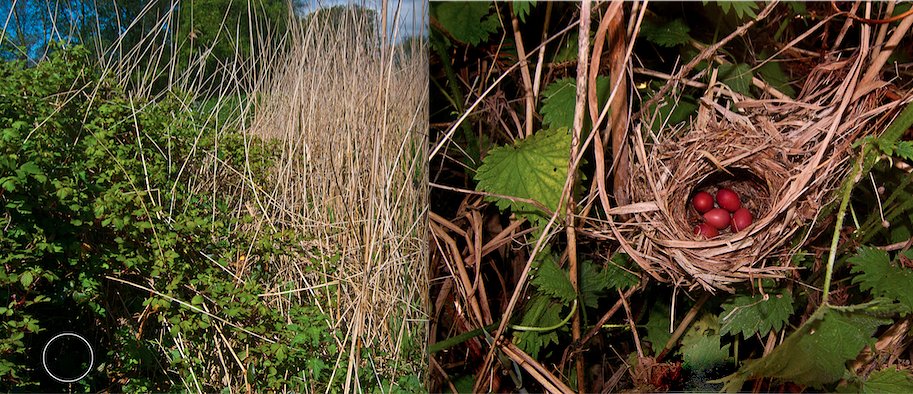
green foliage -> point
(772, 73)
(750, 315)
(888, 380)
(816, 353)
(522, 8)
(741, 9)
(559, 99)
(672, 113)
(534, 168)
(551, 280)
(467, 21)
(658, 326)
(875, 274)
(701, 348)
(540, 311)
(91, 189)
(737, 77)
(666, 34)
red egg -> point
(728, 200)
(702, 202)
(717, 217)
(706, 230)
(741, 219)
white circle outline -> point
(44, 361)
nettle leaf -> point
(737, 77)
(593, 284)
(619, 273)
(552, 280)
(541, 311)
(666, 34)
(888, 380)
(817, 352)
(533, 168)
(751, 315)
(559, 98)
(467, 21)
(879, 277)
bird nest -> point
(784, 157)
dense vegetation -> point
(510, 255)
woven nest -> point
(785, 158)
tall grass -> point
(347, 102)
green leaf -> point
(672, 113)
(26, 279)
(552, 280)
(567, 49)
(658, 328)
(888, 380)
(467, 21)
(751, 315)
(534, 168)
(666, 34)
(522, 7)
(876, 274)
(740, 8)
(904, 150)
(593, 284)
(736, 76)
(559, 99)
(541, 311)
(701, 344)
(817, 352)
(772, 73)
(900, 124)
(619, 272)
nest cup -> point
(785, 158)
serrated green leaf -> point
(772, 73)
(817, 352)
(751, 315)
(701, 347)
(736, 76)
(667, 34)
(740, 8)
(552, 280)
(467, 21)
(888, 380)
(619, 272)
(540, 311)
(593, 284)
(658, 327)
(904, 150)
(26, 279)
(534, 168)
(567, 51)
(705, 352)
(876, 274)
(559, 99)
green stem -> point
(549, 328)
(841, 212)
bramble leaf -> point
(809, 356)
(666, 34)
(879, 277)
(534, 168)
(752, 314)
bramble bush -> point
(96, 184)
